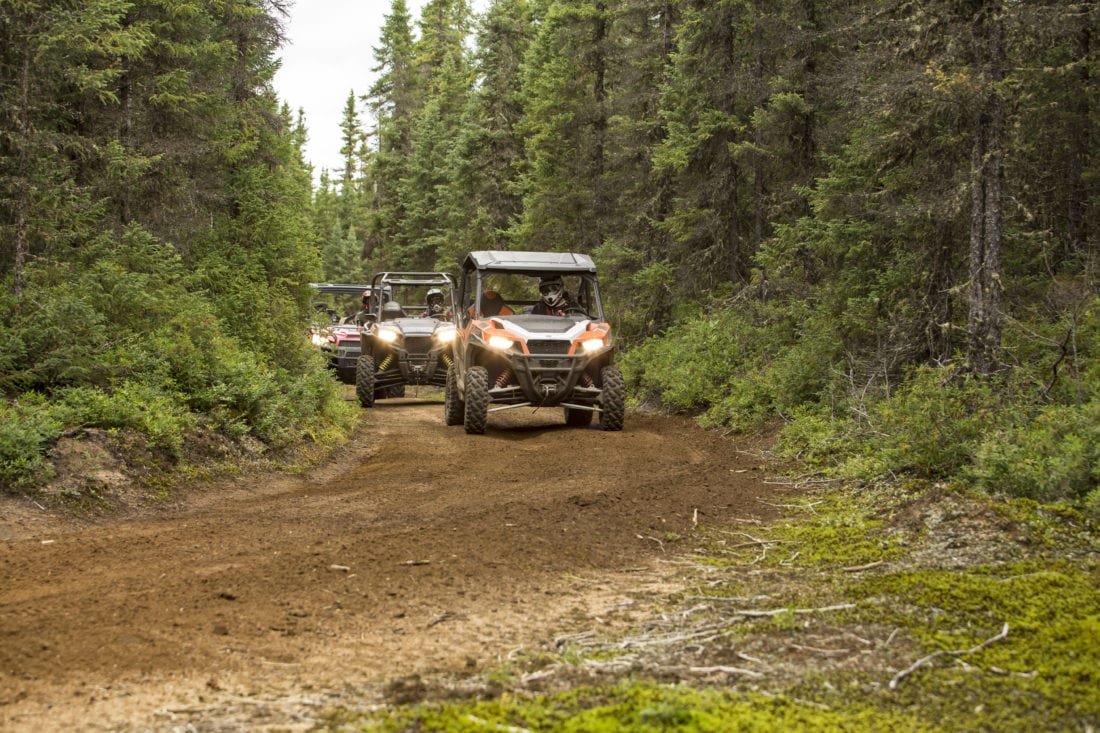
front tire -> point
(476, 414)
(364, 380)
(613, 399)
(453, 407)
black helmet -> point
(552, 290)
(366, 297)
(434, 300)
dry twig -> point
(868, 566)
(800, 611)
(723, 669)
(943, 652)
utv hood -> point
(544, 325)
(416, 326)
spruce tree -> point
(392, 101)
(481, 200)
(565, 126)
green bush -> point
(118, 338)
(930, 427)
(27, 428)
(56, 338)
(146, 408)
(1055, 456)
(732, 372)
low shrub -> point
(1053, 457)
(149, 409)
(27, 427)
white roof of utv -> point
(530, 262)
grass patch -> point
(630, 707)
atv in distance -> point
(409, 334)
(336, 335)
(532, 333)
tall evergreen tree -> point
(393, 101)
(55, 59)
(635, 252)
(565, 126)
(481, 197)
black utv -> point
(408, 335)
(532, 333)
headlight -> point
(500, 342)
(387, 334)
(446, 335)
(592, 345)
(317, 339)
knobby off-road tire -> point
(476, 414)
(398, 390)
(613, 399)
(364, 380)
(577, 418)
(453, 408)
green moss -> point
(1048, 666)
(858, 543)
(633, 707)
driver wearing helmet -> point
(435, 303)
(553, 298)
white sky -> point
(330, 52)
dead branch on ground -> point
(943, 652)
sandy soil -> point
(417, 551)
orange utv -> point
(531, 332)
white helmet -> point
(552, 291)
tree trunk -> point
(732, 174)
(1080, 143)
(986, 318)
(23, 134)
(758, 167)
(599, 94)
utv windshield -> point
(413, 295)
(564, 295)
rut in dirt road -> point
(417, 548)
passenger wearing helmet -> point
(364, 316)
(436, 304)
(553, 298)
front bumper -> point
(413, 365)
(550, 380)
(343, 362)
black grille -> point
(418, 344)
(548, 347)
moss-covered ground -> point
(917, 608)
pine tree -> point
(634, 257)
(393, 102)
(481, 200)
(53, 60)
(565, 126)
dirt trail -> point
(418, 550)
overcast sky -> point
(330, 52)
